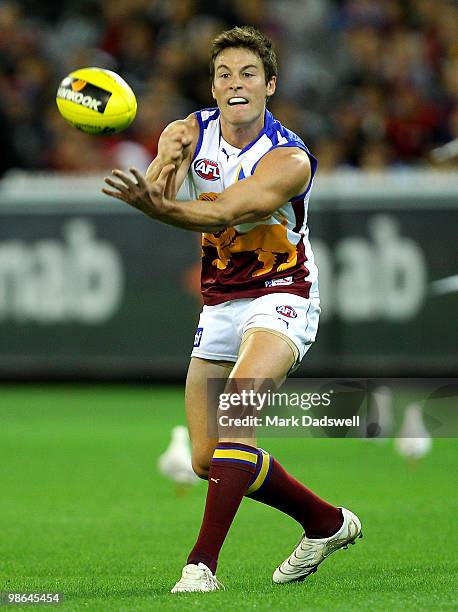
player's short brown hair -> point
(250, 38)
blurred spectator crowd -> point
(366, 83)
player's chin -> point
(244, 112)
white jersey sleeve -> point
(187, 191)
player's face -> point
(239, 86)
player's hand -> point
(148, 198)
(174, 143)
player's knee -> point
(201, 468)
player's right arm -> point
(176, 146)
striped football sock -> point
(231, 470)
(272, 485)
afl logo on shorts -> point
(287, 311)
(207, 169)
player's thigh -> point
(264, 354)
(200, 370)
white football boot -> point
(196, 579)
(309, 553)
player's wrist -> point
(160, 211)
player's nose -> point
(235, 82)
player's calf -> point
(200, 469)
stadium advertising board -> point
(89, 288)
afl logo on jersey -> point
(287, 311)
(207, 169)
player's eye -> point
(248, 74)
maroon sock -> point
(231, 470)
(280, 490)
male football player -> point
(237, 175)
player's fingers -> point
(140, 178)
(113, 194)
(125, 178)
(116, 185)
(181, 137)
(176, 156)
(164, 173)
(160, 183)
(178, 137)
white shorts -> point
(222, 327)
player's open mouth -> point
(234, 101)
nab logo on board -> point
(287, 311)
(207, 169)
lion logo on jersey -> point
(266, 241)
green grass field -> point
(83, 511)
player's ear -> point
(271, 86)
(213, 91)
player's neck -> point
(239, 136)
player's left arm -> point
(281, 174)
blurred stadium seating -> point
(367, 84)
